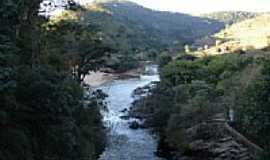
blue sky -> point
(204, 6)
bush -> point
(192, 92)
(254, 113)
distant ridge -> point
(166, 28)
(230, 17)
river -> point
(125, 143)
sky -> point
(195, 7)
(205, 6)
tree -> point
(164, 59)
(83, 45)
(254, 113)
(39, 97)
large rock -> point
(124, 110)
(134, 125)
(210, 141)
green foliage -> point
(44, 113)
(159, 28)
(193, 91)
(145, 33)
(164, 59)
(127, 63)
(254, 113)
(225, 67)
(84, 48)
(182, 72)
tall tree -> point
(42, 112)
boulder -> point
(134, 125)
(124, 110)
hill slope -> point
(248, 35)
(252, 32)
(141, 29)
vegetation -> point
(44, 113)
(194, 91)
(82, 45)
(131, 32)
(254, 114)
(47, 112)
(145, 33)
(198, 89)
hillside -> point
(252, 32)
(144, 30)
(244, 36)
(230, 17)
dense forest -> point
(192, 92)
(44, 112)
(203, 103)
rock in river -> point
(134, 125)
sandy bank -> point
(96, 79)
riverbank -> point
(96, 79)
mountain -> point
(140, 29)
(136, 33)
(245, 36)
(230, 17)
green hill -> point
(135, 33)
(143, 30)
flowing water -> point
(125, 143)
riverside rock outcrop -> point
(213, 141)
